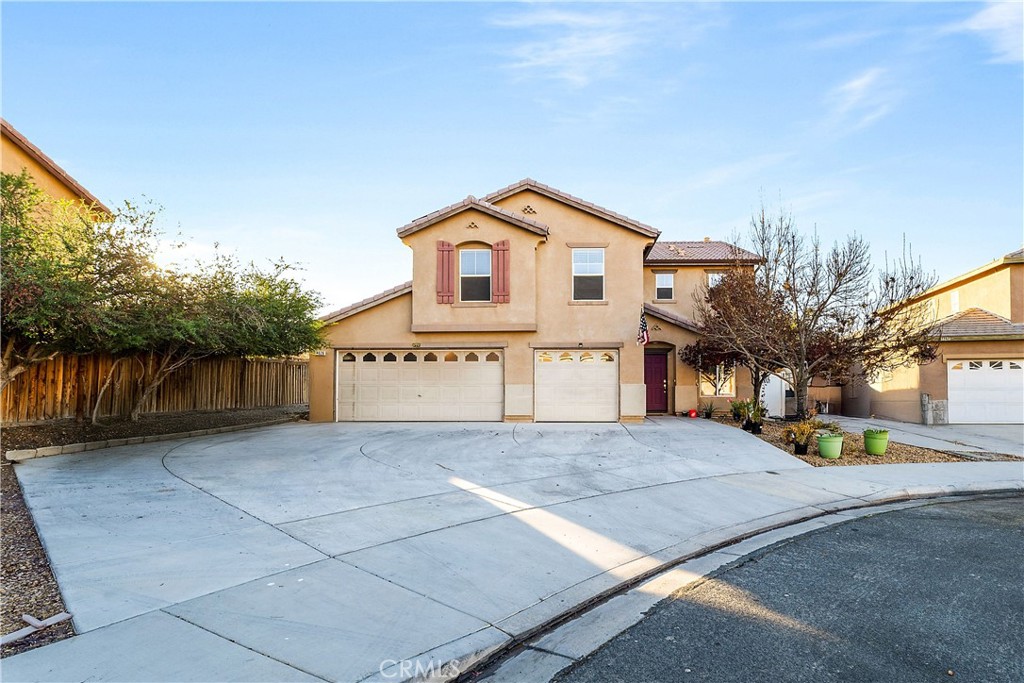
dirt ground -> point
(27, 585)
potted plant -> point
(707, 410)
(736, 407)
(876, 441)
(800, 435)
(743, 408)
(756, 416)
(830, 442)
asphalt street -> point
(933, 593)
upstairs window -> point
(587, 274)
(714, 278)
(664, 286)
(475, 275)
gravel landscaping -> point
(27, 585)
(853, 449)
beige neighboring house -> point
(525, 305)
(978, 376)
(18, 154)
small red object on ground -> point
(692, 413)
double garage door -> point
(465, 385)
(986, 391)
(413, 386)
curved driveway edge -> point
(368, 552)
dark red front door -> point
(656, 379)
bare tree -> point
(812, 310)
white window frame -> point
(490, 283)
(572, 283)
(717, 381)
(714, 277)
(671, 286)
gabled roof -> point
(575, 202)
(707, 251)
(472, 202)
(374, 300)
(37, 155)
(977, 323)
(677, 320)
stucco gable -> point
(37, 155)
(472, 203)
(529, 184)
(359, 306)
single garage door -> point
(416, 385)
(576, 386)
(986, 391)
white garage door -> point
(416, 385)
(986, 391)
(576, 386)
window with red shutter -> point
(445, 272)
(500, 272)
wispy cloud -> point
(736, 171)
(1001, 25)
(580, 46)
(572, 46)
(862, 100)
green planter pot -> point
(876, 441)
(830, 446)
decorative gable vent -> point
(529, 209)
(472, 226)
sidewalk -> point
(469, 571)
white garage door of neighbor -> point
(576, 386)
(420, 385)
(986, 390)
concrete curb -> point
(538, 653)
(46, 451)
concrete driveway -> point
(978, 440)
(347, 552)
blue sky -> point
(312, 131)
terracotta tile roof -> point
(977, 323)
(11, 133)
(1015, 255)
(480, 205)
(374, 300)
(566, 198)
(699, 252)
(675, 319)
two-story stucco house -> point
(525, 306)
(978, 375)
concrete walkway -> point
(354, 552)
(977, 440)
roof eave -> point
(366, 304)
(40, 157)
(466, 205)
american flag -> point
(642, 335)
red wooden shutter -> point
(445, 272)
(500, 272)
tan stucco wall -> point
(13, 159)
(686, 281)
(999, 291)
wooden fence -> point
(67, 386)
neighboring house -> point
(978, 376)
(18, 154)
(525, 306)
